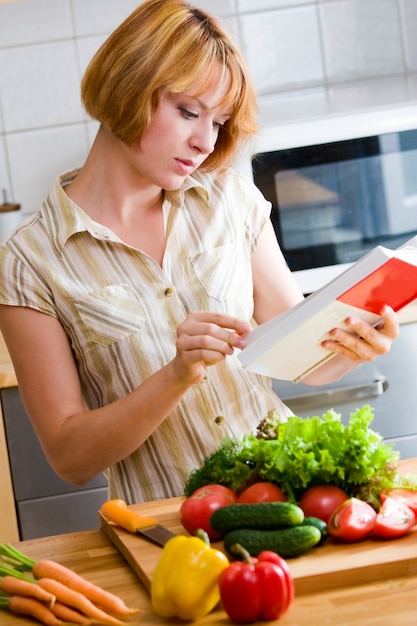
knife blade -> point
(117, 512)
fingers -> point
(208, 337)
(361, 341)
(205, 339)
(227, 322)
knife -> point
(117, 512)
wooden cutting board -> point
(326, 567)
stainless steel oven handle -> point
(333, 397)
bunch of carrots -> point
(53, 594)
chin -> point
(174, 185)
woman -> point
(125, 297)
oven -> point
(338, 188)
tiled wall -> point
(292, 46)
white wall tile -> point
(10, 219)
(100, 16)
(4, 176)
(92, 128)
(409, 17)
(361, 39)
(87, 47)
(278, 109)
(216, 7)
(45, 46)
(244, 6)
(283, 48)
(39, 85)
(37, 157)
(231, 24)
(33, 21)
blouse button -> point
(219, 420)
(168, 292)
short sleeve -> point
(21, 282)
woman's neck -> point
(111, 193)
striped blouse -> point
(120, 310)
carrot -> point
(22, 605)
(68, 614)
(17, 587)
(107, 601)
(78, 601)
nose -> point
(204, 137)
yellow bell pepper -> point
(185, 581)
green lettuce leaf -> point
(302, 452)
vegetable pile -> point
(301, 452)
(53, 594)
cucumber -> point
(287, 542)
(258, 515)
(320, 524)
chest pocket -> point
(223, 272)
(110, 314)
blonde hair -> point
(168, 45)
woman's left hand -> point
(361, 342)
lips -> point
(185, 165)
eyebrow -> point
(207, 108)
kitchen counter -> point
(91, 554)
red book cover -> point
(394, 283)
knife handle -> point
(116, 511)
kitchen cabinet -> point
(35, 502)
(45, 504)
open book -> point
(288, 346)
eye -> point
(189, 115)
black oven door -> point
(334, 202)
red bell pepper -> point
(254, 589)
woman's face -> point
(183, 133)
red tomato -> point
(262, 492)
(353, 520)
(408, 496)
(321, 500)
(394, 519)
(196, 510)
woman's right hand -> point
(204, 339)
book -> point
(288, 347)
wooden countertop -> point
(7, 373)
(93, 555)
